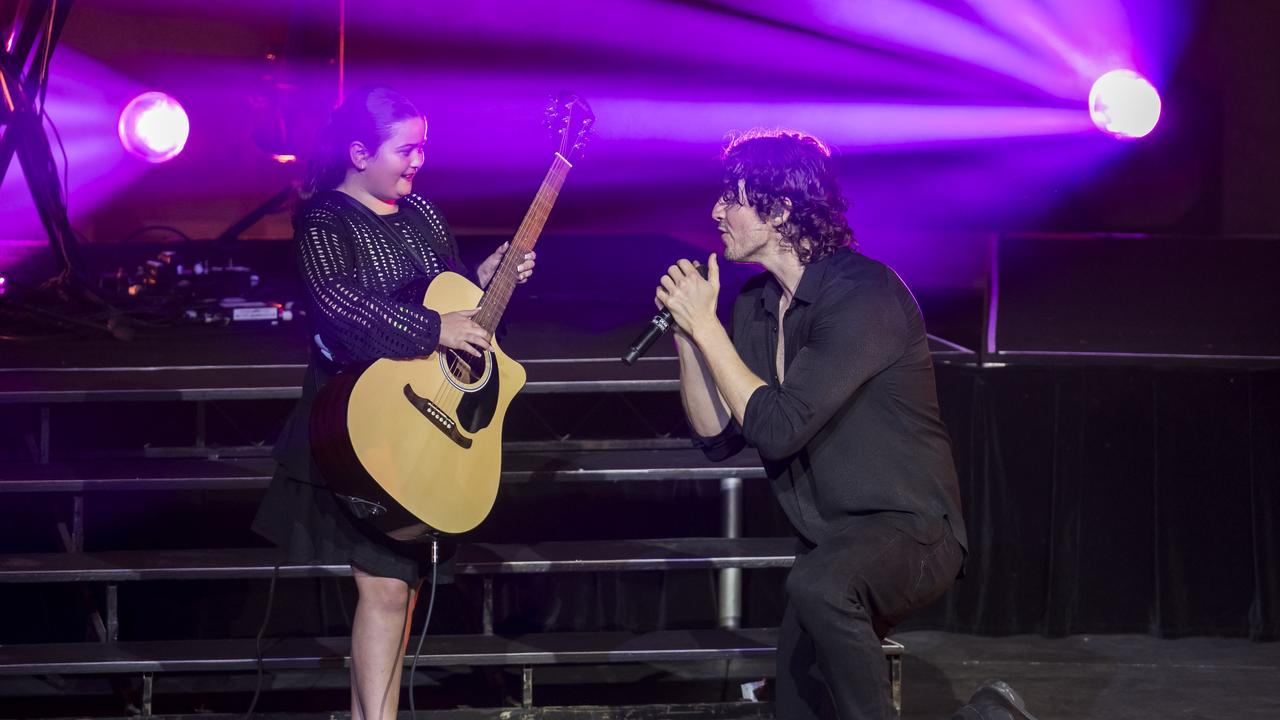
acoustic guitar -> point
(414, 446)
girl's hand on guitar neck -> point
(459, 332)
(524, 270)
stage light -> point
(154, 127)
(1124, 104)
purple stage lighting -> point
(154, 127)
(1124, 104)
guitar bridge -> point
(438, 417)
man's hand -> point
(714, 382)
(485, 272)
(691, 300)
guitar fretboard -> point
(504, 281)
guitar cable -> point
(271, 595)
(266, 619)
(413, 667)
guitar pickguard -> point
(476, 408)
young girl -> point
(367, 249)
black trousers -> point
(843, 597)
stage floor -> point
(1116, 677)
(1093, 677)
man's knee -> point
(820, 596)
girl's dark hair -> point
(367, 116)
(790, 171)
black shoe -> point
(994, 700)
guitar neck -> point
(505, 278)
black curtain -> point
(1116, 499)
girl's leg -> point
(378, 636)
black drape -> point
(1116, 499)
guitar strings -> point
(506, 277)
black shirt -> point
(366, 275)
(854, 429)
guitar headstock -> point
(570, 118)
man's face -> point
(746, 237)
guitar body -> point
(416, 445)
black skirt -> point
(300, 514)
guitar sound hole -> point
(467, 369)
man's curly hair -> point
(784, 170)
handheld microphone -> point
(656, 328)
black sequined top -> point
(366, 274)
